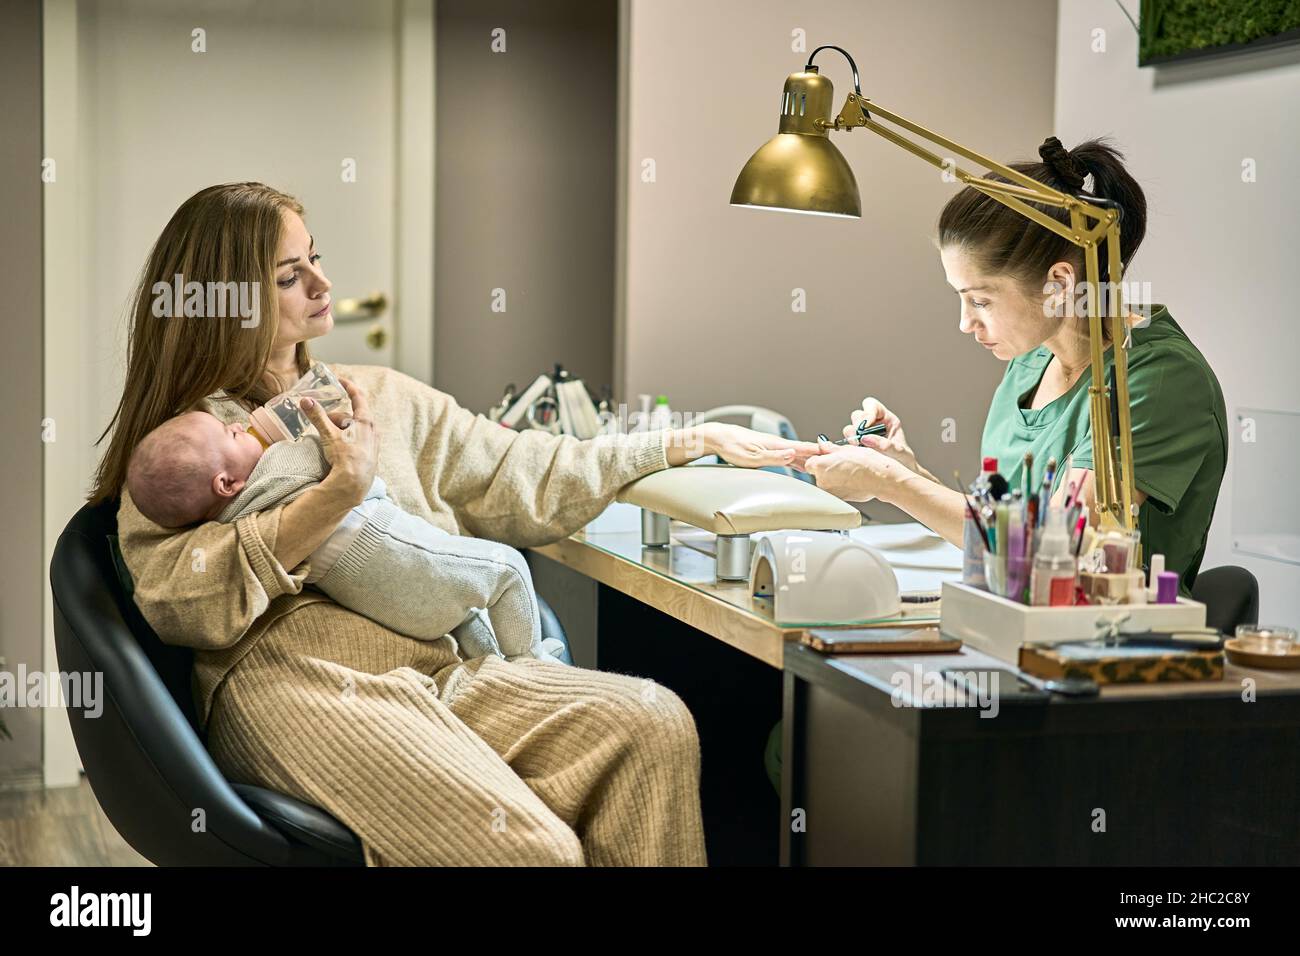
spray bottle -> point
(1055, 567)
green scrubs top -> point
(1180, 436)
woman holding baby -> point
(428, 757)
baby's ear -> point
(226, 487)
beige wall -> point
(525, 193)
(21, 565)
(1219, 252)
(708, 314)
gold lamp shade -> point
(799, 169)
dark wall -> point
(22, 563)
(525, 186)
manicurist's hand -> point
(893, 443)
(856, 473)
(737, 445)
(350, 443)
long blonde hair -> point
(221, 234)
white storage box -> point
(998, 626)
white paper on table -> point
(705, 542)
(910, 545)
(696, 538)
(619, 516)
(922, 559)
(909, 534)
(923, 580)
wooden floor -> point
(63, 827)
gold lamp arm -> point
(1090, 223)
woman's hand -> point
(737, 445)
(856, 473)
(350, 443)
(893, 443)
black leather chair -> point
(144, 755)
(1230, 595)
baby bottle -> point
(281, 419)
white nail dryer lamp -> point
(822, 577)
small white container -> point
(998, 626)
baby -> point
(393, 567)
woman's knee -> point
(512, 826)
(550, 843)
(546, 846)
(656, 719)
(513, 834)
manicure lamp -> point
(800, 170)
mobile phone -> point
(1007, 684)
(1072, 686)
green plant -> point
(1169, 28)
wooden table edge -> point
(718, 618)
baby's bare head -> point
(189, 467)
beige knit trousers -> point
(432, 760)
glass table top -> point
(688, 560)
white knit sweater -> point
(218, 587)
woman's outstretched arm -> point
(938, 507)
(532, 487)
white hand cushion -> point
(728, 500)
